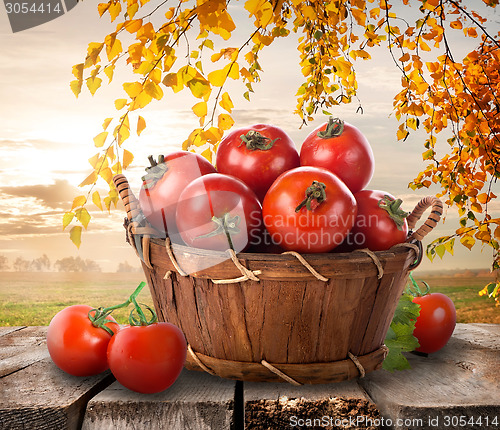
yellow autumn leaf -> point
(94, 160)
(155, 75)
(424, 46)
(200, 88)
(96, 199)
(93, 84)
(142, 100)
(112, 198)
(75, 234)
(133, 89)
(213, 135)
(90, 179)
(76, 87)
(141, 125)
(153, 90)
(113, 46)
(106, 123)
(128, 157)
(467, 241)
(200, 109)
(78, 201)
(106, 174)
(218, 77)
(102, 8)
(114, 10)
(476, 207)
(226, 103)
(117, 167)
(93, 51)
(67, 218)
(133, 25)
(78, 71)
(225, 122)
(82, 215)
(120, 103)
(122, 134)
(100, 139)
(132, 9)
(147, 31)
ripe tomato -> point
(75, 344)
(149, 358)
(380, 223)
(163, 184)
(219, 212)
(343, 149)
(257, 155)
(435, 323)
(308, 209)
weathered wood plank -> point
(461, 380)
(22, 347)
(6, 330)
(35, 393)
(197, 400)
(283, 406)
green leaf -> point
(400, 337)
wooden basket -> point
(304, 319)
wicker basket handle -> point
(436, 211)
(127, 196)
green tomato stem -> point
(316, 191)
(393, 208)
(416, 290)
(254, 140)
(98, 316)
(334, 128)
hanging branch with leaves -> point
(438, 91)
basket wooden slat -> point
(280, 320)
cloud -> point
(58, 195)
(32, 144)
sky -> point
(46, 136)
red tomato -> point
(435, 323)
(308, 209)
(164, 183)
(219, 212)
(380, 223)
(257, 155)
(343, 149)
(149, 358)
(75, 344)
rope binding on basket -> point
(246, 274)
(356, 362)
(306, 265)
(170, 253)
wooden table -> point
(456, 388)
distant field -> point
(34, 298)
(463, 290)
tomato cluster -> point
(265, 196)
(145, 356)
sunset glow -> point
(46, 138)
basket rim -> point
(261, 256)
(228, 267)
